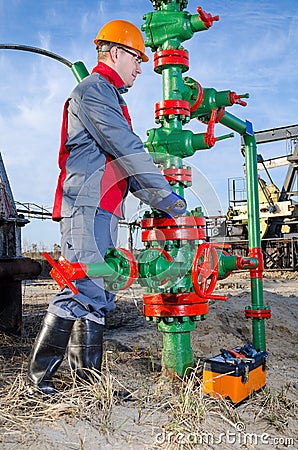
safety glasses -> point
(136, 57)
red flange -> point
(173, 57)
(167, 107)
(175, 174)
(180, 228)
(174, 305)
(184, 221)
(177, 234)
(258, 313)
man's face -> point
(128, 65)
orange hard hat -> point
(124, 33)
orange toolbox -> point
(235, 374)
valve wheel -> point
(205, 270)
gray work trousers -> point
(85, 237)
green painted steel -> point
(165, 28)
(233, 122)
(211, 99)
(100, 270)
(181, 143)
(158, 274)
(229, 263)
(116, 269)
(254, 238)
(177, 354)
(79, 70)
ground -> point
(132, 405)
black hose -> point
(41, 51)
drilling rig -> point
(278, 206)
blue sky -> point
(253, 48)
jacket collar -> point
(111, 75)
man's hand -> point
(173, 204)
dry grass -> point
(276, 408)
(89, 402)
(189, 411)
(185, 409)
(131, 380)
(182, 401)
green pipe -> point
(229, 263)
(254, 239)
(173, 84)
(231, 121)
(79, 70)
(177, 354)
(154, 270)
(100, 270)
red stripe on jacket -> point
(114, 181)
(62, 158)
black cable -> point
(40, 51)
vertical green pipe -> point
(173, 85)
(177, 355)
(254, 239)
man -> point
(101, 159)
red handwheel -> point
(205, 270)
(204, 273)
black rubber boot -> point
(48, 352)
(85, 348)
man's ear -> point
(114, 54)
